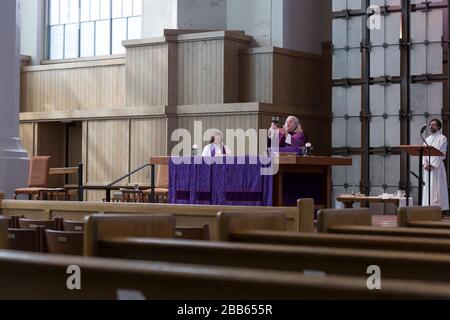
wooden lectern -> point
(421, 151)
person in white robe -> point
(436, 169)
(216, 148)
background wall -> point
(33, 29)
(306, 24)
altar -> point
(201, 182)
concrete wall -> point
(158, 15)
(182, 14)
(292, 24)
(306, 24)
(32, 35)
(252, 16)
(202, 14)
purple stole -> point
(213, 151)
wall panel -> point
(107, 150)
(66, 87)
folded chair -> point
(162, 186)
(37, 178)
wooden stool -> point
(53, 194)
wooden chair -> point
(37, 178)
(193, 233)
(54, 224)
(74, 226)
(238, 221)
(343, 217)
(162, 186)
(100, 226)
(64, 242)
(25, 239)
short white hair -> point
(298, 126)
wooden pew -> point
(2, 198)
(359, 222)
(337, 261)
(38, 276)
(343, 217)
(101, 226)
(4, 242)
(392, 232)
(235, 221)
(342, 241)
(422, 217)
(300, 219)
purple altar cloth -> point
(216, 181)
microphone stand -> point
(429, 171)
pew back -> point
(108, 278)
(343, 217)
(98, 227)
(4, 242)
(394, 232)
(334, 261)
(235, 221)
(405, 244)
(298, 219)
(412, 214)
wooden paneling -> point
(256, 77)
(51, 142)
(283, 77)
(231, 70)
(298, 80)
(147, 76)
(107, 146)
(200, 70)
(66, 87)
(148, 138)
(27, 137)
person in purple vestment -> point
(216, 147)
(292, 135)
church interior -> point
(224, 150)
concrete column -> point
(33, 29)
(13, 158)
(202, 14)
(182, 14)
(158, 15)
(292, 24)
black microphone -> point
(424, 128)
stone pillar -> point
(182, 14)
(13, 158)
(33, 29)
